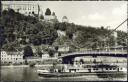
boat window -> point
(106, 68)
(114, 68)
(96, 68)
(110, 68)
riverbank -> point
(15, 66)
(25, 65)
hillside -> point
(20, 31)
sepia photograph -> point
(69, 41)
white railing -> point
(92, 52)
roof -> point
(104, 66)
(65, 17)
(13, 53)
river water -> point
(30, 74)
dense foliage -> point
(48, 11)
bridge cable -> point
(116, 27)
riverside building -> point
(11, 57)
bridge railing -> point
(101, 51)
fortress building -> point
(21, 7)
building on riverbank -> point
(33, 59)
(12, 57)
(38, 60)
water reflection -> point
(18, 73)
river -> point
(29, 74)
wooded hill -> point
(18, 30)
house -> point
(45, 56)
(63, 49)
(61, 33)
(13, 57)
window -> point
(106, 68)
(96, 68)
(114, 68)
(30, 7)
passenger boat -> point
(71, 71)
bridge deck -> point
(100, 53)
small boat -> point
(45, 73)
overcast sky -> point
(89, 13)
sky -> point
(89, 13)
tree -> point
(53, 14)
(28, 51)
(41, 17)
(48, 11)
(56, 48)
(2, 38)
(37, 41)
(69, 34)
(82, 61)
(4, 12)
(59, 54)
(39, 52)
(11, 12)
(102, 28)
(51, 53)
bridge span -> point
(95, 53)
(69, 57)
